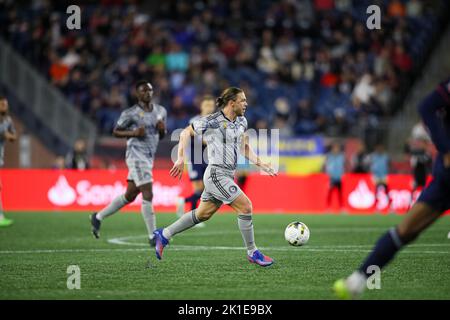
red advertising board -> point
(68, 190)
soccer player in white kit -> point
(7, 133)
(143, 125)
(224, 133)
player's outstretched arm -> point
(178, 167)
(136, 133)
(251, 155)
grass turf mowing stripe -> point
(205, 248)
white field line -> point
(203, 248)
(144, 248)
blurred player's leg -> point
(119, 202)
(147, 211)
(204, 211)
(115, 205)
(419, 218)
(195, 197)
(4, 222)
(243, 207)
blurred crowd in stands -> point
(306, 66)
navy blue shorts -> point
(437, 193)
(196, 171)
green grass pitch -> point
(210, 263)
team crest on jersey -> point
(141, 114)
(224, 125)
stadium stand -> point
(332, 72)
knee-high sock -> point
(115, 205)
(385, 249)
(186, 221)
(193, 199)
(245, 224)
(149, 217)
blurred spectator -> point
(360, 161)
(78, 158)
(307, 120)
(396, 9)
(379, 168)
(419, 132)
(414, 8)
(420, 160)
(335, 169)
(282, 110)
(59, 163)
(401, 59)
(306, 45)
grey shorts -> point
(140, 171)
(220, 187)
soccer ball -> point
(296, 233)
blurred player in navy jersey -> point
(196, 163)
(434, 200)
(7, 133)
(143, 125)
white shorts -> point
(140, 171)
(220, 187)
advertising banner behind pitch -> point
(69, 190)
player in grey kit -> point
(224, 133)
(7, 132)
(143, 125)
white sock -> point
(149, 217)
(356, 283)
(115, 205)
(186, 221)
(245, 224)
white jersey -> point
(223, 138)
(142, 148)
(6, 125)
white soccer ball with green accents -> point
(296, 233)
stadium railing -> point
(45, 102)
